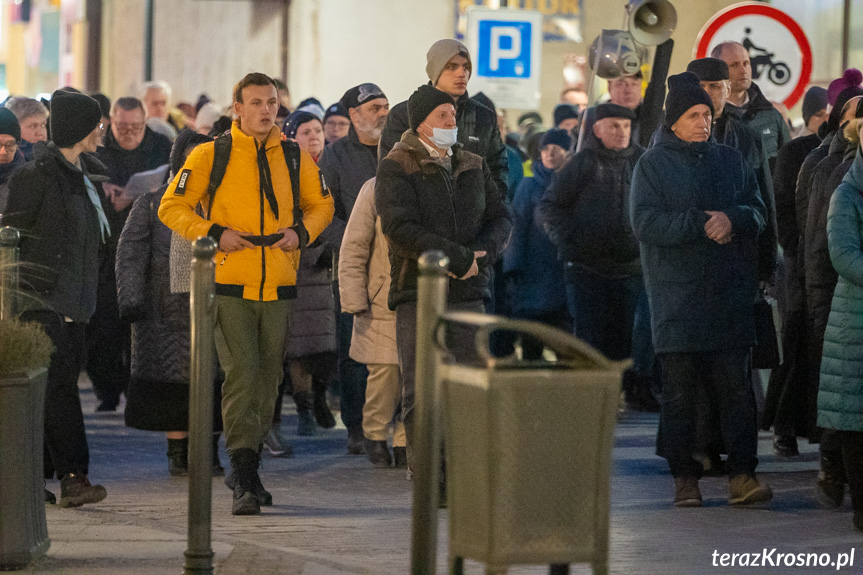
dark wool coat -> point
(529, 259)
(346, 165)
(423, 206)
(701, 293)
(730, 131)
(788, 163)
(804, 186)
(477, 133)
(158, 395)
(61, 244)
(840, 397)
(820, 275)
(586, 211)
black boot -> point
(378, 453)
(830, 488)
(305, 420)
(356, 440)
(244, 465)
(323, 415)
(178, 457)
(265, 498)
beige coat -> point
(364, 282)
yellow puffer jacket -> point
(262, 273)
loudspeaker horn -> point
(613, 54)
(651, 22)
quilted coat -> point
(840, 396)
(313, 320)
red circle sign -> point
(778, 49)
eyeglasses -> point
(11, 147)
(128, 128)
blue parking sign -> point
(504, 49)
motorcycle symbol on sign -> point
(777, 72)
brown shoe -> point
(745, 489)
(76, 490)
(686, 492)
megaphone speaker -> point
(651, 22)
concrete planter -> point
(23, 532)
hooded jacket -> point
(840, 395)
(424, 206)
(701, 293)
(477, 132)
(586, 211)
(241, 204)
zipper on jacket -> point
(262, 174)
(451, 193)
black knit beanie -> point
(564, 112)
(73, 117)
(684, 92)
(709, 69)
(423, 102)
(9, 124)
(557, 137)
(185, 139)
(297, 119)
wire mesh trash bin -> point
(528, 450)
(23, 532)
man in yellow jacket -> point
(252, 217)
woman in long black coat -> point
(158, 394)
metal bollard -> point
(9, 254)
(431, 304)
(199, 553)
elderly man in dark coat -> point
(697, 213)
(433, 195)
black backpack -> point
(222, 153)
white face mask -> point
(443, 137)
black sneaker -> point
(356, 440)
(76, 490)
(785, 446)
(400, 457)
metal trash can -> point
(528, 451)
(23, 532)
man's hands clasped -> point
(474, 267)
(718, 227)
(233, 241)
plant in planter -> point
(25, 353)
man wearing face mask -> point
(347, 164)
(433, 195)
(449, 68)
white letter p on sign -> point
(497, 53)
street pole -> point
(426, 440)
(148, 40)
(9, 253)
(199, 554)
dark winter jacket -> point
(586, 211)
(760, 115)
(160, 319)
(313, 320)
(788, 164)
(820, 275)
(6, 171)
(424, 206)
(701, 293)
(840, 395)
(804, 184)
(477, 132)
(346, 165)
(61, 243)
(730, 131)
(529, 259)
(154, 151)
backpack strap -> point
(221, 156)
(292, 157)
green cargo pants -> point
(250, 340)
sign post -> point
(507, 49)
(779, 52)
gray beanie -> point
(442, 52)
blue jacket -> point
(840, 395)
(530, 258)
(701, 293)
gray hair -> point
(160, 85)
(24, 108)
